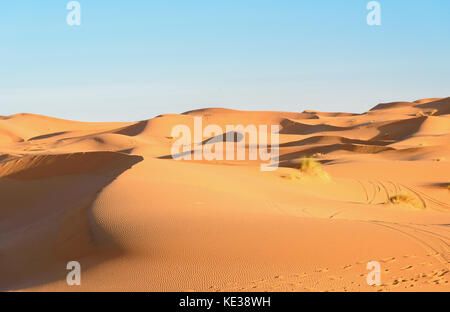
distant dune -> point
(110, 196)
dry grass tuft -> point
(407, 199)
(311, 167)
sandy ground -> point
(110, 196)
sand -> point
(110, 196)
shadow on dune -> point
(46, 217)
(440, 185)
(294, 127)
(442, 106)
(47, 136)
(134, 129)
(178, 156)
(400, 129)
(4, 157)
(222, 138)
(332, 140)
(325, 149)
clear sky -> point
(134, 59)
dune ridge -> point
(110, 196)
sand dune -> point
(110, 196)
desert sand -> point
(110, 196)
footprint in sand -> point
(387, 260)
(322, 270)
(434, 254)
(409, 267)
(346, 267)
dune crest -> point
(349, 189)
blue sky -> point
(132, 60)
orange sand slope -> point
(110, 196)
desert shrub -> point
(311, 167)
(407, 199)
